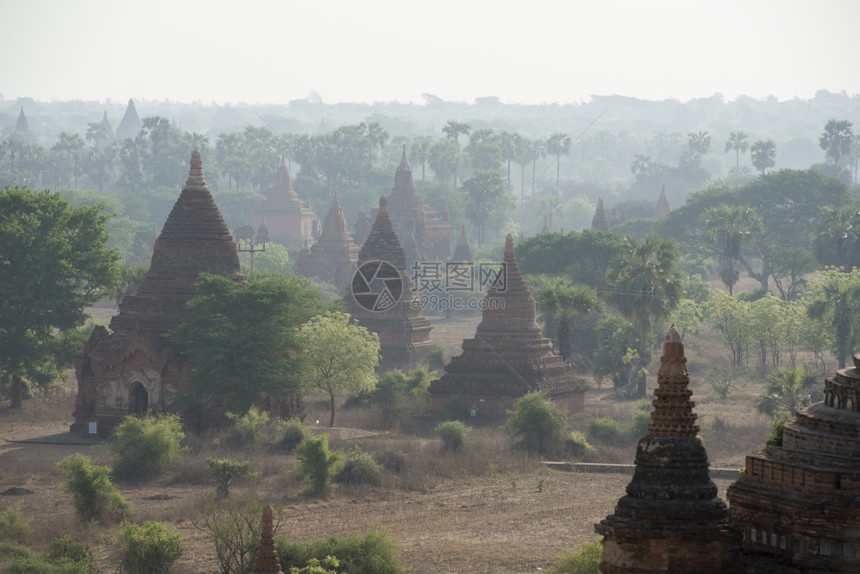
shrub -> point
(584, 560)
(639, 425)
(374, 553)
(234, 525)
(602, 429)
(290, 434)
(536, 423)
(576, 445)
(775, 437)
(13, 527)
(148, 549)
(31, 563)
(453, 435)
(359, 468)
(224, 471)
(66, 549)
(317, 463)
(392, 460)
(144, 446)
(251, 425)
(314, 566)
(95, 496)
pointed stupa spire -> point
(662, 208)
(403, 177)
(673, 410)
(22, 125)
(462, 252)
(130, 124)
(266, 561)
(335, 221)
(283, 181)
(545, 228)
(599, 222)
(382, 242)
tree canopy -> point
(54, 261)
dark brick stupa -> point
(662, 209)
(509, 356)
(380, 298)
(135, 368)
(334, 256)
(671, 520)
(799, 502)
(600, 222)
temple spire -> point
(266, 561)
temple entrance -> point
(138, 400)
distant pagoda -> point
(662, 208)
(288, 220)
(671, 520)
(137, 367)
(22, 132)
(334, 256)
(130, 124)
(509, 356)
(462, 251)
(380, 298)
(600, 222)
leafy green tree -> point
(763, 154)
(535, 423)
(341, 357)
(737, 142)
(788, 389)
(150, 548)
(398, 393)
(558, 145)
(645, 286)
(731, 317)
(484, 150)
(837, 236)
(727, 228)
(836, 140)
(225, 471)
(486, 198)
(95, 496)
(563, 302)
(587, 254)
(55, 262)
(144, 446)
(317, 463)
(242, 339)
(835, 296)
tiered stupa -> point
(334, 256)
(136, 368)
(380, 298)
(22, 132)
(662, 208)
(108, 136)
(130, 124)
(545, 228)
(266, 561)
(600, 222)
(799, 502)
(462, 251)
(671, 520)
(614, 220)
(509, 356)
(430, 233)
(288, 220)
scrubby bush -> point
(13, 527)
(290, 434)
(584, 560)
(28, 562)
(603, 429)
(400, 394)
(359, 468)
(453, 435)
(775, 437)
(317, 463)
(148, 549)
(224, 471)
(639, 425)
(95, 496)
(535, 423)
(66, 549)
(392, 460)
(374, 553)
(145, 446)
(576, 444)
(234, 525)
(250, 426)
(315, 566)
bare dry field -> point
(483, 512)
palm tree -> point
(484, 191)
(573, 300)
(538, 149)
(836, 140)
(737, 142)
(836, 241)
(726, 228)
(787, 389)
(645, 287)
(523, 157)
(508, 144)
(453, 129)
(836, 297)
(420, 151)
(763, 154)
(558, 145)
(699, 142)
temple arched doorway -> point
(138, 400)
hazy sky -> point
(535, 51)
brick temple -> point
(422, 232)
(136, 367)
(288, 220)
(509, 356)
(671, 520)
(334, 256)
(799, 502)
(662, 209)
(600, 222)
(380, 298)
